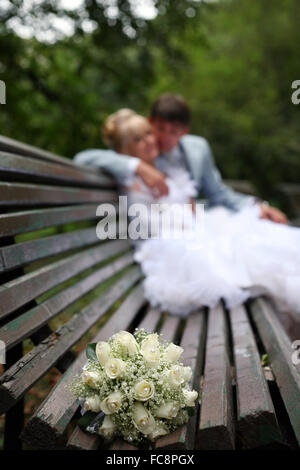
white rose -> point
(128, 341)
(92, 403)
(187, 374)
(172, 352)
(91, 378)
(114, 367)
(142, 419)
(143, 390)
(159, 430)
(190, 397)
(112, 403)
(150, 350)
(175, 376)
(152, 357)
(150, 340)
(181, 418)
(107, 429)
(168, 410)
(102, 352)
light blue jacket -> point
(199, 160)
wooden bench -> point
(290, 193)
(53, 269)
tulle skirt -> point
(236, 256)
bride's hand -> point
(153, 178)
(272, 213)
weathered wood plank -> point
(30, 169)
(256, 419)
(14, 418)
(80, 440)
(280, 354)
(290, 193)
(243, 186)
(28, 221)
(216, 427)
(18, 292)
(26, 324)
(169, 328)
(20, 254)
(295, 222)
(52, 417)
(10, 145)
(150, 320)
(20, 377)
(15, 223)
(21, 194)
(193, 341)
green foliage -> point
(190, 411)
(242, 59)
(91, 352)
(264, 360)
(86, 419)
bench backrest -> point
(57, 279)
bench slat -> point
(28, 221)
(278, 346)
(150, 320)
(51, 419)
(10, 145)
(193, 343)
(24, 373)
(18, 292)
(169, 328)
(23, 253)
(21, 194)
(29, 169)
(215, 430)
(26, 324)
(242, 186)
(256, 420)
(79, 440)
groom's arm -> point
(123, 166)
(120, 166)
(219, 193)
(216, 191)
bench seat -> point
(61, 287)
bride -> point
(229, 255)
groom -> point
(170, 119)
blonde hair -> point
(112, 129)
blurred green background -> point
(68, 64)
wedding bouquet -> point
(134, 386)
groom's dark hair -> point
(171, 108)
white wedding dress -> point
(235, 255)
